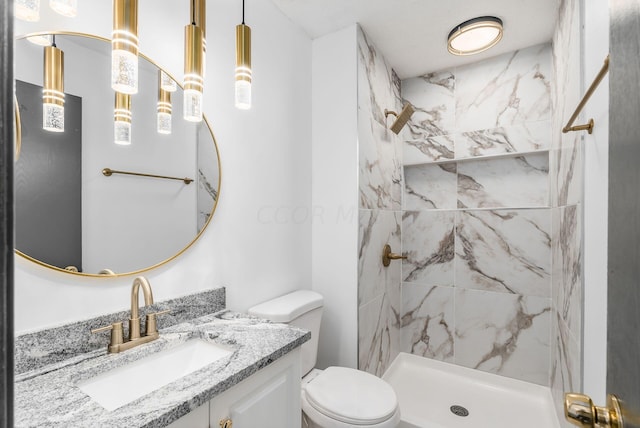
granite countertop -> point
(48, 396)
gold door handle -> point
(387, 255)
(580, 411)
(226, 423)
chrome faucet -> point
(117, 343)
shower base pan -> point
(433, 394)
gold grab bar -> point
(108, 172)
(589, 126)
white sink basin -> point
(125, 384)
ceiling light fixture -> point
(124, 47)
(122, 119)
(27, 10)
(193, 82)
(475, 35)
(243, 65)
(68, 8)
(53, 89)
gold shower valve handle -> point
(580, 411)
(226, 423)
(387, 256)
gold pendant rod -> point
(588, 127)
(108, 172)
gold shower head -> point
(401, 119)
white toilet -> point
(337, 397)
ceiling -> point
(412, 34)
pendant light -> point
(199, 13)
(122, 119)
(124, 47)
(68, 8)
(193, 82)
(243, 65)
(27, 10)
(164, 107)
(53, 89)
(167, 83)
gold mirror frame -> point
(18, 144)
(17, 132)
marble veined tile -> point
(565, 370)
(430, 186)
(378, 335)
(380, 174)
(427, 322)
(504, 250)
(418, 149)
(518, 182)
(428, 242)
(432, 96)
(525, 137)
(566, 170)
(567, 266)
(378, 84)
(377, 228)
(505, 90)
(506, 334)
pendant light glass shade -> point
(53, 90)
(193, 82)
(164, 107)
(27, 10)
(167, 83)
(122, 119)
(243, 67)
(68, 8)
(41, 39)
(124, 47)
(475, 35)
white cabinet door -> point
(269, 398)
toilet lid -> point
(351, 396)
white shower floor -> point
(427, 389)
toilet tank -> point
(303, 309)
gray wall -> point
(48, 182)
(623, 370)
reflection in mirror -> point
(68, 213)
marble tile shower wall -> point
(476, 218)
(566, 174)
(380, 205)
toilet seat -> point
(344, 397)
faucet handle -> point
(116, 333)
(150, 322)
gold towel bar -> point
(589, 126)
(108, 172)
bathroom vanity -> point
(252, 376)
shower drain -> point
(459, 410)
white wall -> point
(335, 194)
(258, 244)
(596, 48)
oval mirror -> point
(88, 206)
